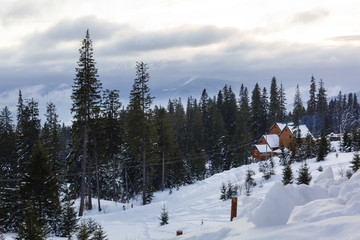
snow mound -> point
(275, 209)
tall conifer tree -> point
(86, 103)
(274, 105)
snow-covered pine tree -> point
(40, 190)
(249, 181)
(323, 148)
(288, 177)
(355, 162)
(86, 101)
(304, 175)
(164, 216)
(223, 192)
(68, 218)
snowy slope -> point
(329, 208)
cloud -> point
(60, 96)
(351, 38)
(183, 36)
(309, 17)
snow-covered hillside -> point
(327, 209)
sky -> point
(245, 41)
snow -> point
(329, 208)
(263, 148)
(272, 140)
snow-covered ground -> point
(327, 209)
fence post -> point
(233, 208)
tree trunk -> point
(163, 172)
(97, 182)
(83, 173)
(114, 180)
(144, 179)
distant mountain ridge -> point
(192, 86)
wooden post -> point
(179, 232)
(233, 208)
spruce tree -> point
(249, 182)
(50, 137)
(311, 104)
(274, 105)
(355, 163)
(256, 113)
(287, 175)
(298, 107)
(68, 219)
(27, 130)
(323, 148)
(140, 131)
(282, 104)
(321, 108)
(39, 188)
(112, 138)
(164, 216)
(264, 110)
(304, 176)
(86, 102)
(242, 138)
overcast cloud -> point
(242, 41)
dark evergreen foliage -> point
(164, 216)
(355, 162)
(288, 177)
(304, 176)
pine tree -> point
(31, 228)
(40, 189)
(264, 110)
(323, 148)
(112, 138)
(7, 144)
(140, 131)
(321, 108)
(99, 233)
(274, 105)
(171, 174)
(304, 175)
(249, 182)
(242, 138)
(298, 107)
(27, 130)
(86, 102)
(287, 175)
(256, 113)
(355, 162)
(223, 191)
(282, 104)
(50, 137)
(164, 217)
(68, 218)
(311, 104)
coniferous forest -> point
(118, 152)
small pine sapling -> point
(99, 233)
(355, 162)
(304, 175)
(223, 192)
(164, 216)
(249, 182)
(287, 175)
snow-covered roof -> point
(263, 148)
(283, 125)
(272, 140)
(304, 131)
